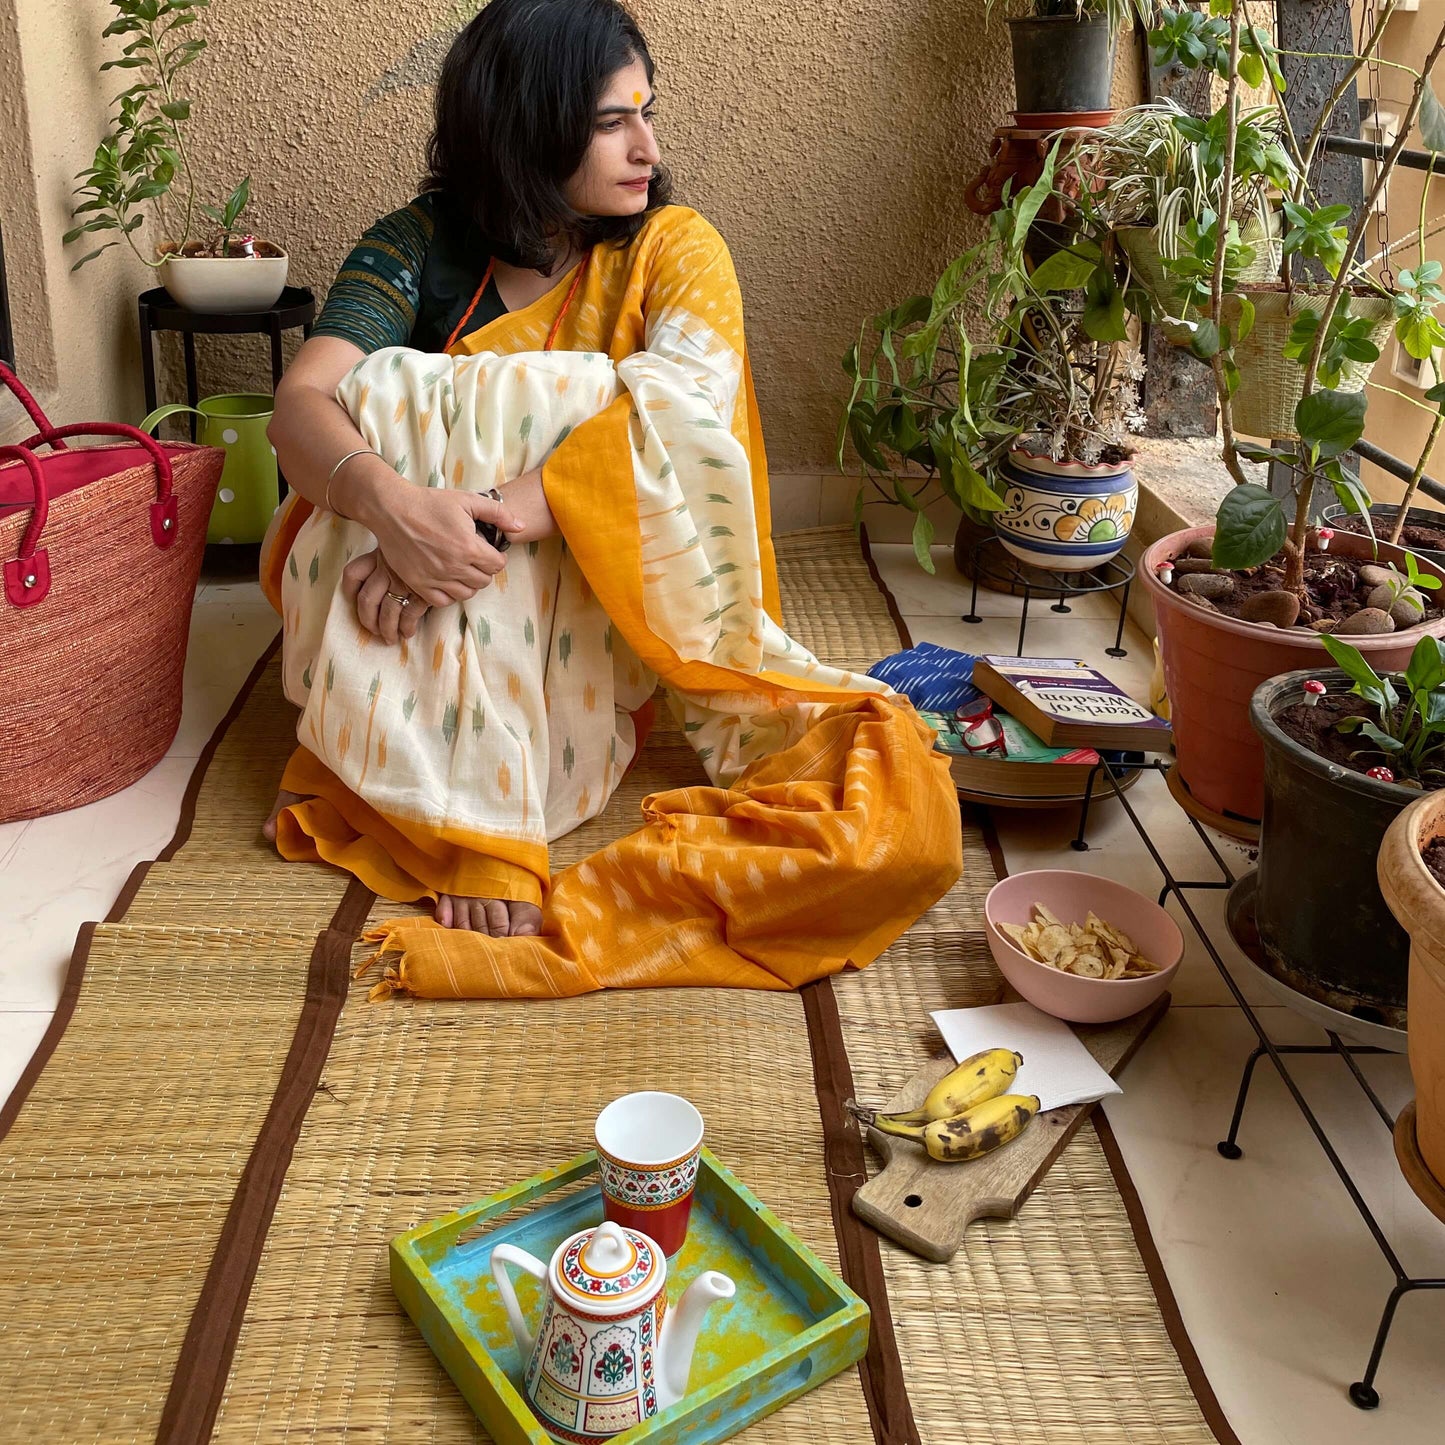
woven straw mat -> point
(116, 1176)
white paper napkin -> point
(1056, 1067)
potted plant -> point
(1022, 417)
(1345, 750)
(143, 164)
(1411, 871)
(1063, 55)
(1269, 587)
(1151, 174)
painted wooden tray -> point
(792, 1325)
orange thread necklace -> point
(556, 325)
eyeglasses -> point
(979, 730)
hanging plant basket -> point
(1141, 245)
(1271, 383)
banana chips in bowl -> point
(1084, 949)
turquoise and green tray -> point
(792, 1324)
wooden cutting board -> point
(926, 1206)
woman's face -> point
(623, 149)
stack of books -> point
(1057, 715)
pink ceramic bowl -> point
(1070, 897)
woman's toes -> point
(526, 918)
(283, 800)
(496, 910)
(444, 910)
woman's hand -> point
(369, 583)
(429, 538)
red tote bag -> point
(100, 549)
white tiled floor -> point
(1277, 1278)
(1278, 1282)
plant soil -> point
(1314, 728)
(1334, 589)
(1433, 856)
(1431, 539)
(213, 249)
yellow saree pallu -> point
(449, 763)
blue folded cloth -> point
(932, 678)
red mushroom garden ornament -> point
(1314, 691)
(1326, 536)
(1381, 775)
(1165, 573)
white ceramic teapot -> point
(602, 1359)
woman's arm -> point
(427, 535)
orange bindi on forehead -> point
(637, 97)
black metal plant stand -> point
(1116, 575)
(1362, 1393)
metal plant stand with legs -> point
(1362, 1393)
(1116, 575)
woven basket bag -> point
(1271, 384)
(100, 548)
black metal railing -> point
(1369, 150)
(1400, 470)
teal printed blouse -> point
(410, 279)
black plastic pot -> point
(1326, 930)
(1062, 63)
(1382, 515)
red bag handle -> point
(165, 519)
(27, 576)
(22, 395)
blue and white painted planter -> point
(1065, 516)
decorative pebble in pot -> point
(1065, 516)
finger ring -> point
(402, 599)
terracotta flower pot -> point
(1213, 663)
(1418, 902)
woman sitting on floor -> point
(510, 547)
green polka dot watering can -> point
(248, 493)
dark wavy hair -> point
(515, 110)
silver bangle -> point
(359, 452)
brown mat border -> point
(204, 1363)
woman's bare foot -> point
(283, 800)
(496, 917)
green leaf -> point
(176, 110)
(1205, 340)
(1331, 422)
(1246, 318)
(1249, 527)
(1367, 683)
(1432, 120)
(1427, 665)
(1063, 271)
(922, 541)
(1381, 740)
(1103, 317)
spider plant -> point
(1153, 166)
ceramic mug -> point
(647, 1150)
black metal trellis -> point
(1362, 1392)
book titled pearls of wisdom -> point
(1070, 704)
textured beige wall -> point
(75, 335)
(829, 144)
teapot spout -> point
(679, 1333)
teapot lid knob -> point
(607, 1251)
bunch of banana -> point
(967, 1113)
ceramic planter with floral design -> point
(1065, 516)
